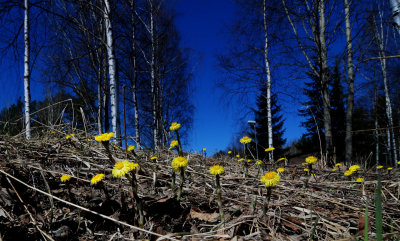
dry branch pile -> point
(36, 205)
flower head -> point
(306, 169)
(304, 163)
(354, 168)
(204, 149)
(69, 136)
(65, 178)
(281, 159)
(245, 140)
(130, 165)
(229, 152)
(348, 173)
(248, 161)
(360, 179)
(115, 147)
(121, 168)
(259, 162)
(179, 162)
(270, 179)
(241, 159)
(398, 162)
(379, 167)
(216, 170)
(237, 155)
(338, 164)
(311, 160)
(175, 126)
(153, 158)
(173, 144)
(270, 149)
(390, 168)
(334, 169)
(89, 139)
(52, 132)
(131, 148)
(104, 137)
(280, 170)
(97, 178)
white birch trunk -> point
(376, 131)
(350, 82)
(324, 83)
(27, 92)
(153, 77)
(112, 73)
(395, 6)
(268, 71)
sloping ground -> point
(36, 205)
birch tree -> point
(27, 93)
(112, 72)
(395, 6)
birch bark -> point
(27, 74)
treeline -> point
(338, 58)
(94, 50)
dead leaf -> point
(209, 217)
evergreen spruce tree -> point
(262, 126)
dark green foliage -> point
(261, 115)
(10, 122)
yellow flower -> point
(69, 136)
(97, 178)
(154, 158)
(334, 169)
(229, 152)
(270, 179)
(304, 163)
(237, 155)
(121, 168)
(338, 164)
(360, 179)
(354, 168)
(173, 144)
(281, 159)
(270, 149)
(204, 149)
(241, 159)
(179, 162)
(306, 169)
(175, 126)
(115, 147)
(379, 167)
(280, 170)
(52, 132)
(245, 140)
(89, 139)
(104, 137)
(248, 161)
(311, 160)
(348, 173)
(259, 162)
(216, 170)
(390, 168)
(131, 148)
(65, 178)
(130, 165)
(398, 162)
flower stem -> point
(138, 200)
(181, 183)
(173, 175)
(266, 203)
(218, 186)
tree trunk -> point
(376, 130)
(324, 83)
(112, 72)
(268, 72)
(153, 78)
(27, 92)
(134, 80)
(395, 6)
(350, 82)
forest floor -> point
(36, 205)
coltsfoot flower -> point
(97, 178)
(216, 170)
(104, 137)
(306, 169)
(360, 179)
(259, 162)
(154, 158)
(248, 161)
(280, 170)
(204, 149)
(229, 152)
(121, 168)
(334, 169)
(237, 155)
(69, 136)
(354, 168)
(131, 148)
(338, 164)
(270, 179)
(311, 160)
(179, 162)
(281, 159)
(241, 159)
(245, 140)
(348, 173)
(304, 163)
(379, 167)
(175, 126)
(173, 144)
(269, 149)
(65, 178)
(130, 165)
